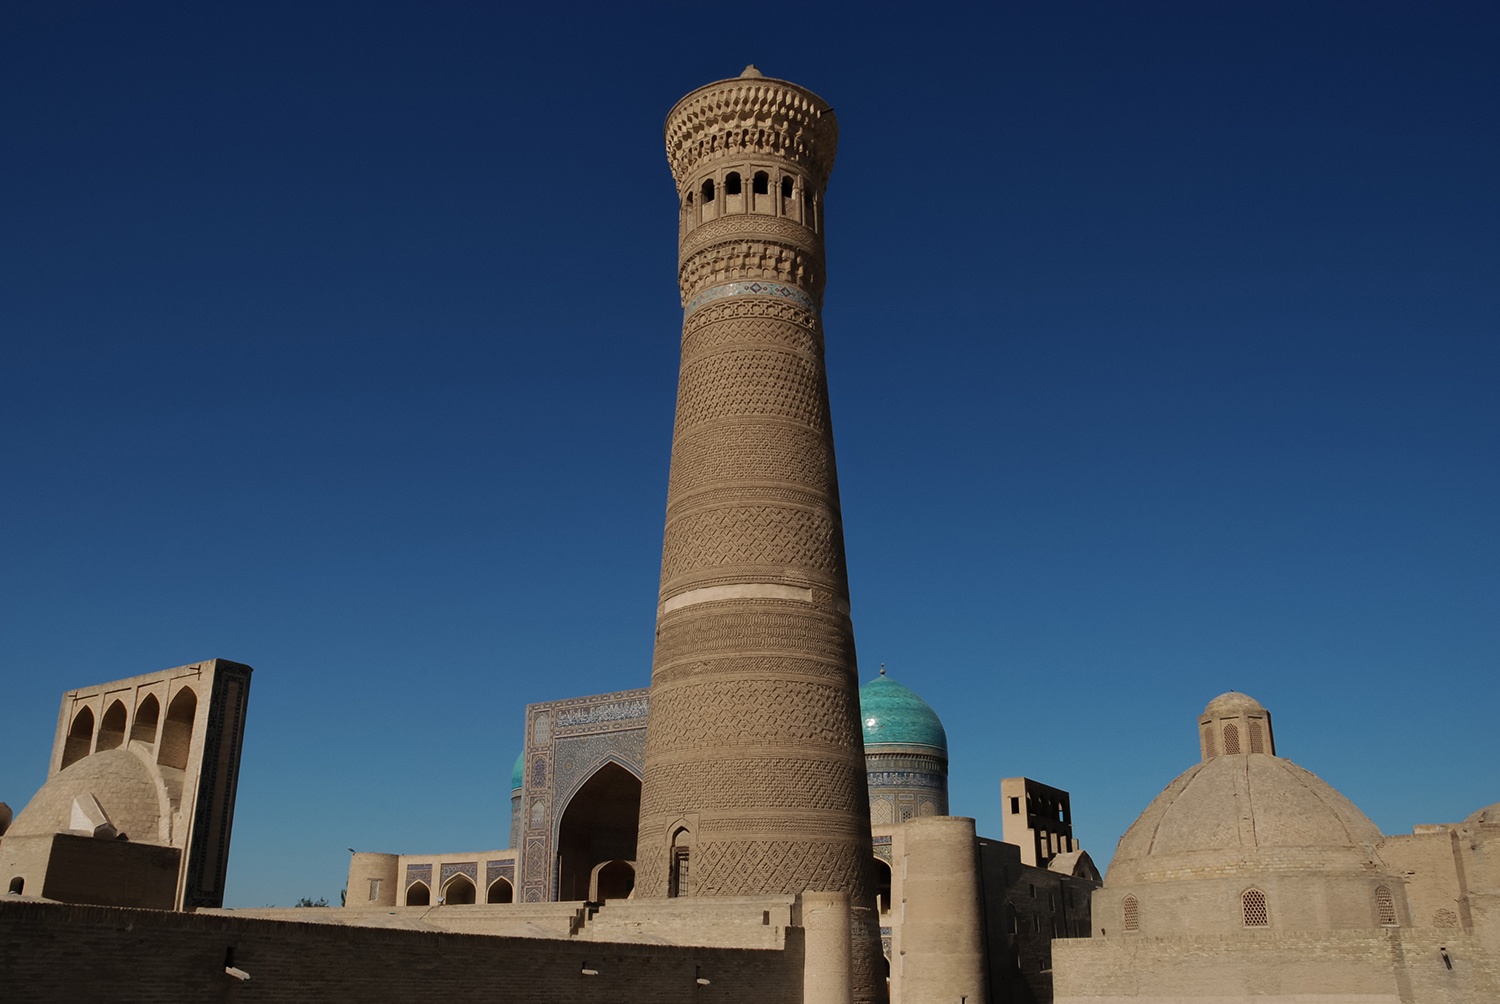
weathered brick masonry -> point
(52, 951)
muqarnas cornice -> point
(755, 117)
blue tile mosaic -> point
(755, 288)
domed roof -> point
(1488, 814)
(1232, 703)
(1244, 813)
(894, 716)
(518, 772)
(127, 787)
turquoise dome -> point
(894, 716)
(518, 771)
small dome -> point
(126, 785)
(895, 716)
(518, 772)
(1232, 703)
(1488, 814)
(1244, 814)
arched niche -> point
(417, 894)
(500, 891)
(112, 727)
(147, 718)
(598, 825)
(177, 730)
(80, 737)
(612, 880)
(459, 891)
(679, 873)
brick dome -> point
(1232, 703)
(1244, 814)
(128, 788)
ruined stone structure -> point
(754, 774)
(1038, 819)
(139, 799)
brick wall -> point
(1264, 967)
(53, 951)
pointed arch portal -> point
(598, 825)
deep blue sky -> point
(341, 340)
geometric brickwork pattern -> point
(566, 743)
(754, 777)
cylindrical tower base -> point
(942, 945)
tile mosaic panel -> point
(452, 868)
(754, 288)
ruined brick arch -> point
(177, 730)
(500, 891)
(80, 737)
(112, 727)
(417, 894)
(459, 891)
(147, 718)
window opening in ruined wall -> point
(1253, 904)
(761, 183)
(732, 183)
(883, 886)
(1385, 906)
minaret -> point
(754, 769)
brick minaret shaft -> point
(754, 771)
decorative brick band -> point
(775, 290)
